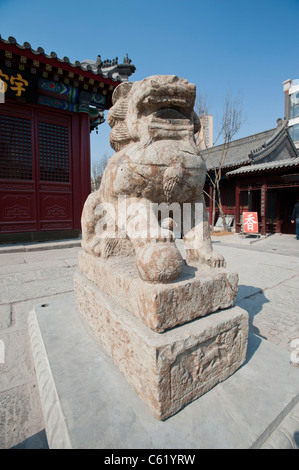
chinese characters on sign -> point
(250, 222)
(14, 84)
(263, 198)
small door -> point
(18, 210)
(288, 199)
(35, 170)
(54, 187)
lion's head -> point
(156, 108)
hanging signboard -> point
(250, 222)
(263, 201)
(17, 84)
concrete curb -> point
(57, 433)
(28, 247)
(286, 435)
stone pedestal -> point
(168, 370)
(198, 291)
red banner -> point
(250, 222)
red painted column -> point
(237, 210)
(76, 152)
(81, 164)
(85, 156)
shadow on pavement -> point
(252, 300)
(37, 441)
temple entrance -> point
(288, 198)
(278, 203)
(255, 196)
(36, 184)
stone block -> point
(198, 291)
(167, 370)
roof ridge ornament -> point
(110, 69)
(126, 60)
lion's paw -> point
(214, 260)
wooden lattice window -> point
(15, 148)
(53, 152)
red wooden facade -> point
(45, 178)
(272, 197)
(272, 194)
(48, 107)
(261, 175)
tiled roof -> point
(239, 150)
(254, 168)
(110, 68)
(107, 69)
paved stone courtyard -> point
(26, 279)
(268, 290)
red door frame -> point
(79, 165)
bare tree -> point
(230, 125)
(98, 170)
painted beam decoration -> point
(31, 75)
(62, 96)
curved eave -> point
(258, 171)
(269, 146)
(52, 59)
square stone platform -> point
(167, 370)
(88, 404)
(198, 291)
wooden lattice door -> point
(18, 210)
(54, 189)
(35, 170)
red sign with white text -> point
(250, 222)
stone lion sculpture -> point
(156, 162)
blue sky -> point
(247, 48)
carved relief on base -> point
(205, 362)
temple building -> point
(48, 107)
(260, 173)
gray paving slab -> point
(286, 245)
(20, 415)
(10, 268)
(8, 259)
(36, 288)
(36, 256)
(18, 365)
(99, 407)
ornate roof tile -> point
(107, 69)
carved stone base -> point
(171, 369)
(198, 291)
